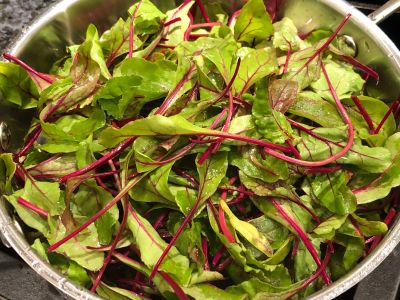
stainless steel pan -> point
(65, 23)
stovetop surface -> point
(19, 281)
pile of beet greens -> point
(195, 154)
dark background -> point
(18, 281)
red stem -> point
(334, 157)
(317, 170)
(164, 106)
(160, 220)
(33, 207)
(303, 236)
(218, 255)
(173, 21)
(28, 68)
(177, 289)
(113, 246)
(392, 108)
(364, 113)
(288, 55)
(224, 227)
(187, 219)
(233, 17)
(95, 216)
(226, 263)
(367, 70)
(326, 44)
(203, 11)
(132, 30)
(204, 247)
(110, 155)
(32, 139)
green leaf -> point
(148, 17)
(304, 264)
(249, 161)
(92, 198)
(254, 66)
(222, 55)
(68, 268)
(55, 166)
(286, 35)
(345, 80)
(311, 106)
(304, 74)
(210, 292)
(282, 93)
(376, 109)
(91, 51)
(370, 228)
(332, 191)
(151, 246)
(115, 41)
(259, 187)
(46, 195)
(158, 77)
(328, 228)
(28, 216)
(76, 249)
(151, 126)
(7, 170)
(248, 231)
(175, 33)
(253, 24)
(116, 293)
(189, 241)
(155, 188)
(211, 173)
(17, 87)
(381, 185)
(117, 94)
(370, 159)
(269, 122)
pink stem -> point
(392, 108)
(233, 17)
(95, 216)
(110, 155)
(33, 207)
(187, 219)
(203, 11)
(32, 139)
(364, 113)
(218, 256)
(177, 289)
(28, 68)
(367, 70)
(113, 246)
(160, 220)
(303, 236)
(164, 106)
(204, 247)
(326, 44)
(173, 21)
(338, 155)
(132, 30)
(289, 54)
(317, 170)
(225, 264)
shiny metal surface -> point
(65, 23)
(385, 11)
